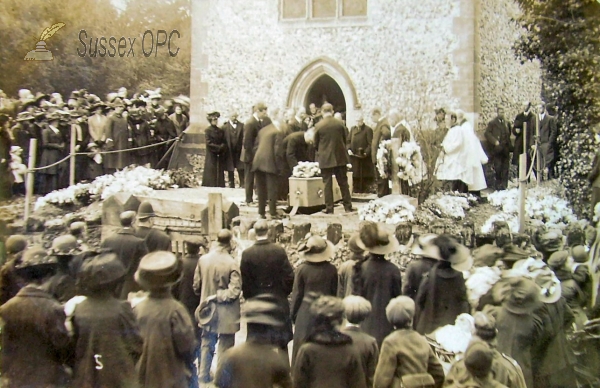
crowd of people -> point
(110, 134)
(133, 314)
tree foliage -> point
(22, 22)
(565, 36)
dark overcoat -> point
(142, 137)
(311, 280)
(380, 282)
(296, 126)
(367, 348)
(361, 138)
(130, 250)
(53, 147)
(216, 158)
(34, 341)
(184, 291)
(293, 150)
(251, 128)
(442, 297)
(181, 123)
(165, 129)
(107, 344)
(169, 343)
(330, 143)
(381, 132)
(520, 120)
(328, 360)
(234, 134)
(118, 130)
(155, 239)
(253, 365)
(406, 352)
(413, 276)
(498, 130)
(265, 155)
(265, 269)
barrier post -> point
(72, 155)
(30, 176)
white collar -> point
(232, 123)
(256, 117)
(54, 129)
(262, 238)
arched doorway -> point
(324, 77)
(325, 89)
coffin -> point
(308, 192)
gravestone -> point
(300, 232)
(334, 232)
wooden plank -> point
(215, 213)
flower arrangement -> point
(448, 205)
(511, 219)
(480, 280)
(410, 163)
(542, 206)
(135, 180)
(306, 170)
(383, 159)
(389, 211)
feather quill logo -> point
(41, 53)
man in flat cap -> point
(216, 153)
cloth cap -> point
(15, 243)
(478, 359)
(65, 245)
(158, 269)
(127, 217)
(356, 308)
(213, 115)
(264, 309)
(160, 110)
(400, 311)
(101, 270)
(327, 307)
(145, 210)
(579, 254)
(558, 259)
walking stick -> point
(169, 152)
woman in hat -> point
(53, 146)
(34, 338)
(328, 359)
(518, 327)
(118, 138)
(427, 255)
(179, 119)
(105, 332)
(259, 362)
(376, 279)
(316, 276)
(405, 352)
(442, 295)
(165, 324)
(216, 153)
(63, 284)
(347, 268)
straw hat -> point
(424, 247)
(524, 296)
(375, 239)
(35, 259)
(317, 250)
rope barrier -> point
(100, 152)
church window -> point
(322, 9)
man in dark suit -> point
(258, 120)
(359, 149)
(265, 169)
(548, 133)
(155, 239)
(266, 269)
(381, 132)
(298, 122)
(497, 135)
(130, 250)
(296, 148)
(330, 143)
(234, 134)
(82, 139)
(524, 122)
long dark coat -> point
(328, 360)
(107, 344)
(253, 365)
(82, 161)
(140, 130)
(379, 282)
(553, 358)
(296, 150)
(130, 250)
(521, 119)
(381, 132)
(251, 128)
(184, 291)
(34, 340)
(361, 137)
(155, 239)
(330, 143)
(265, 269)
(234, 134)
(118, 130)
(216, 158)
(413, 276)
(266, 152)
(169, 343)
(442, 297)
(517, 333)
(498, 130)
(311, 281)
(53, 146)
